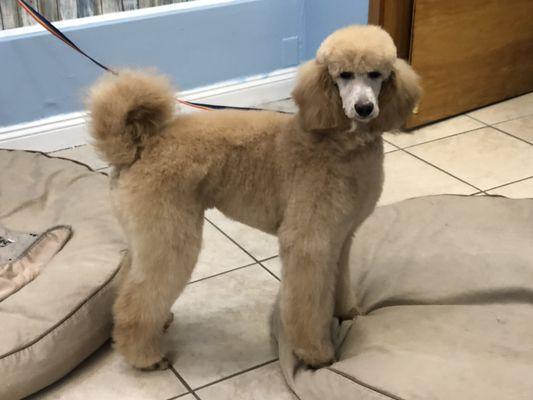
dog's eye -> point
(346, 75)
(374, 74)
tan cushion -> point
(63, 315)
(445, 288)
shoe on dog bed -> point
(444, 287)
(60, 252)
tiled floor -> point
(219, 342)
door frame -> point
(395, 16)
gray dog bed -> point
(444, 286)
(60, 250)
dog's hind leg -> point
(165, 239)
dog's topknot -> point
(364, 46)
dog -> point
(310, 178)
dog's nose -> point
(364, 109)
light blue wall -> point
(324, 16)
(41, 77)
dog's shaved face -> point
(359, 92)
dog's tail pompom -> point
(126, 111)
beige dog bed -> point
(60, 251)
(445, 289)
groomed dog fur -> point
(310, 178)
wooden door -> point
(470, 53)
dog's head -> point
(356, 77)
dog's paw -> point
(157, 366)
(138, 349)
(317, 357)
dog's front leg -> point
(307, 295)
(345, 303)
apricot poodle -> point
(310, 178)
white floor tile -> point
(514, 108)
(521, 127)
(484, 158)
(407, 177)
(219, 254)
(259, 244)
(105, 376)
(387, 147)
(438, 130)
(518, 190)
(221, 325)
(265, 383)
(274, 266)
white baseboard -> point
(70, 130)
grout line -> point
(389, 143)
(255, 262)
(269, 258)
(442, 170)
(392, 151)
(478, 120)
(183, 382)
(510, 134)
(499, 122)
(394, 147)
(223, 272)
(180, 396)
(242, 248)
(444, 137)
(512, 119)
(271, 273)
(237, 374)
(475, 119)
(230, 238)
(268, 270)
(509, 183)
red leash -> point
(46, 24)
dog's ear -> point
(318, 99)
(399, 95)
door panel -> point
(470, 54)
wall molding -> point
(118, 16)
(70, 130)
